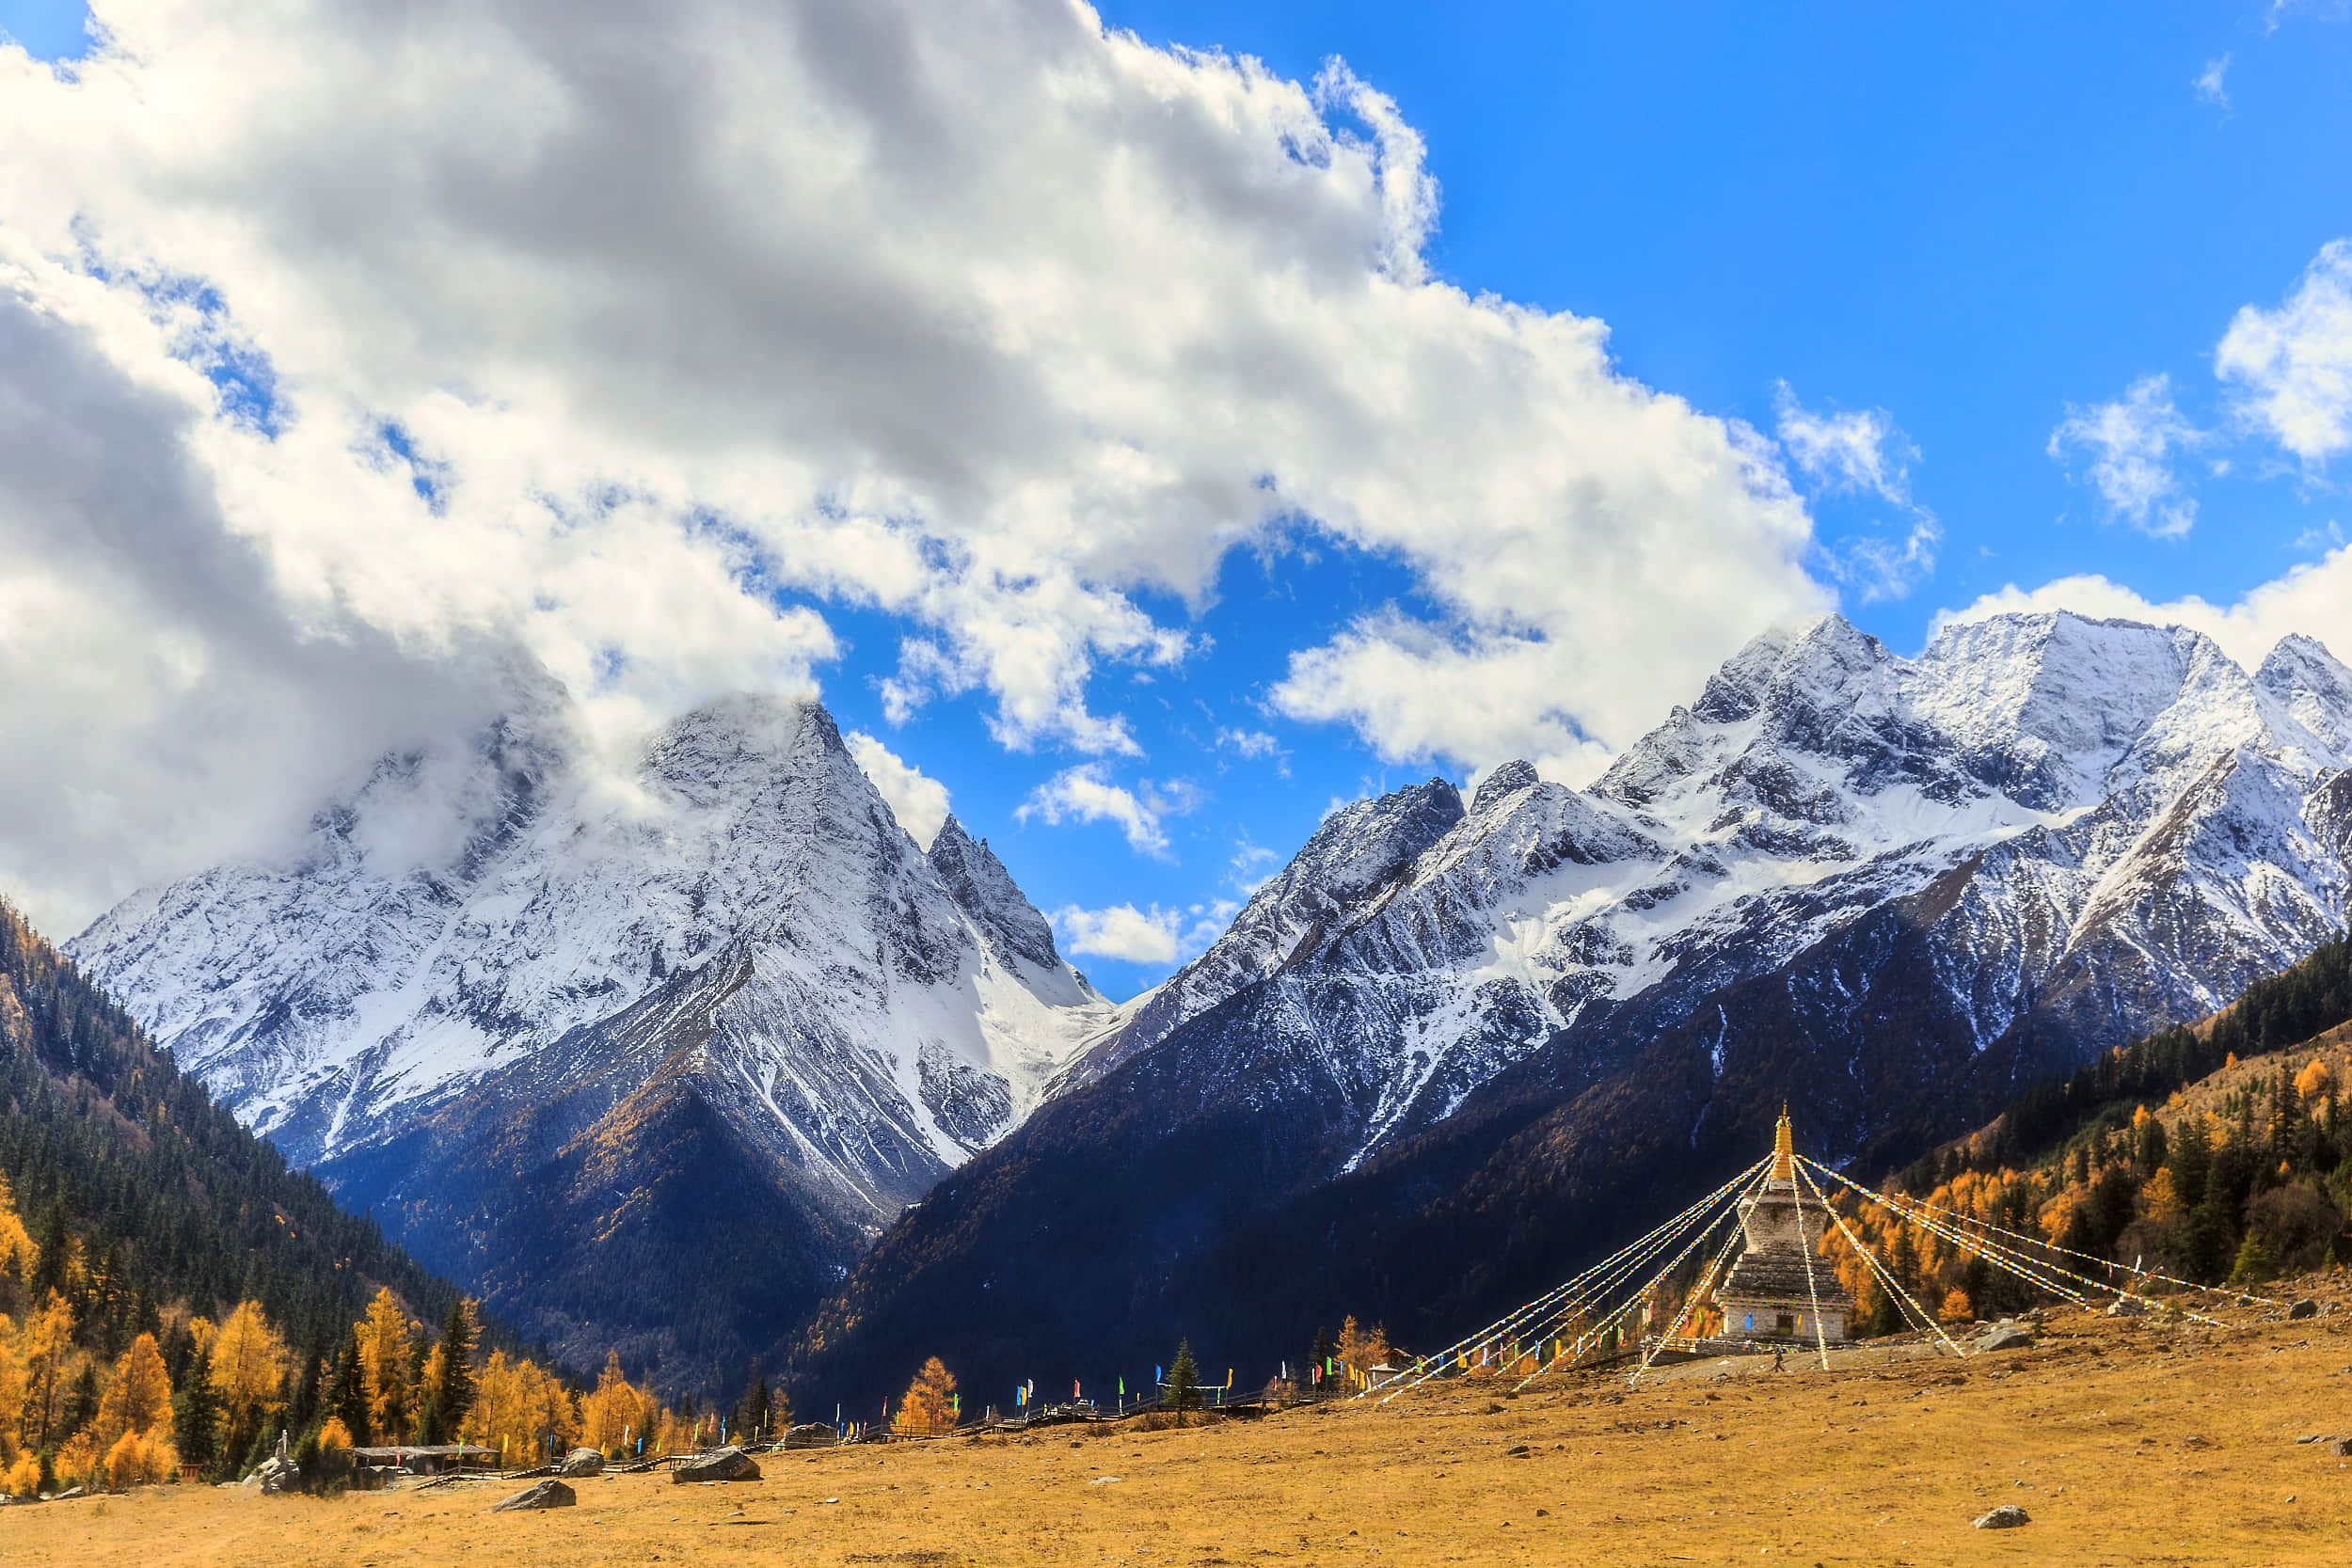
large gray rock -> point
(581, 1462)
(2304, 1308)
(544, 1494)
(2006, 1516)
(811, 1435)
(727, 1464)
(272, 1475)
(2005, 1335)
(2127, 1307)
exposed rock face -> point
(1460, 1049)
(571, 1033)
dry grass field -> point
(2126, 1441)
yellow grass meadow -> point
(2127, 1442)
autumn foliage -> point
(930, 1405)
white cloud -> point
(2212, 84)
(2292, 367)
(1156, 938)
(918, 800)
(2314, 598)
(1862, 450)
(1878, 569)
(1855, 450)
(2131, 443)
(1085, 794)
(1120, 931)
(980, 317)
(1256, 745)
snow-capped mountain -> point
(497, 981)
(2120, 792)
(1889, 890)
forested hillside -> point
(2213, 1154)
(146, 1240)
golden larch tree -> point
(929, 1405)
(45, 1343)
(249, 1363)
(385, 1351)
(615, 1412)
(138, 1398)
(20, 1471)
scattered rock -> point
(2197, 1440)
(727, 1464)
(544, 1494)
(581, 1462)
(70, 1494)
(2127, 1307)
(1106, 1480)
(2313, 1437)
(2304, 1308)
(2342, 1448)
(1494, 1409)
(1517, 1450)
(2005, 1335)
(2006, 1516)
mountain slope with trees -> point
(145, 1234)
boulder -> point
(2127, 1307)
(727, 1464)
(544, 1494)
(2304, 1308)
(272, 1475)
(2005, 1335)
(581, 1462)
(2006, 1516)
(811, 1435)
(2342, 1448)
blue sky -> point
(1971, 218)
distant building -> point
(1768, 1294)
(426, 1458)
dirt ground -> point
(2126, 1441)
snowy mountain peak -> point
(2091, 786)
(468, 908)
(2313, 687)
(983, 889)
(1507, 780)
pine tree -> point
(1184, 1380)
(2255, 1265)
(751, 1416)
(56, 1249)
(196, 1414)
(454, 1399)
(347, 1392)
